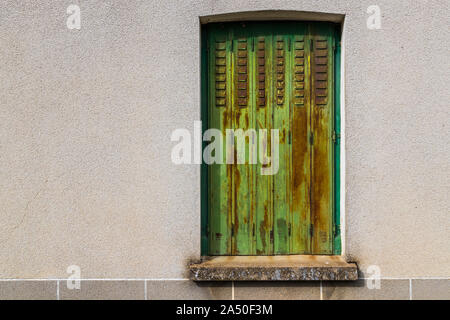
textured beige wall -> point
(86, 116)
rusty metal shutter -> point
(272, 76)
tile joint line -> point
(410, 289)
(145, 289)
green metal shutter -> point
(272, 76)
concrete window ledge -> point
(274, 268)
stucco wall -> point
(86, 116)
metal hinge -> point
(311, 138)
(232, 230)
(311, 230)
(336, 44)
(254, 227)
(336, 230)
(289, 229)
(289, 44)
(290, 135)
(335, 136)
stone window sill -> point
(274, 268)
